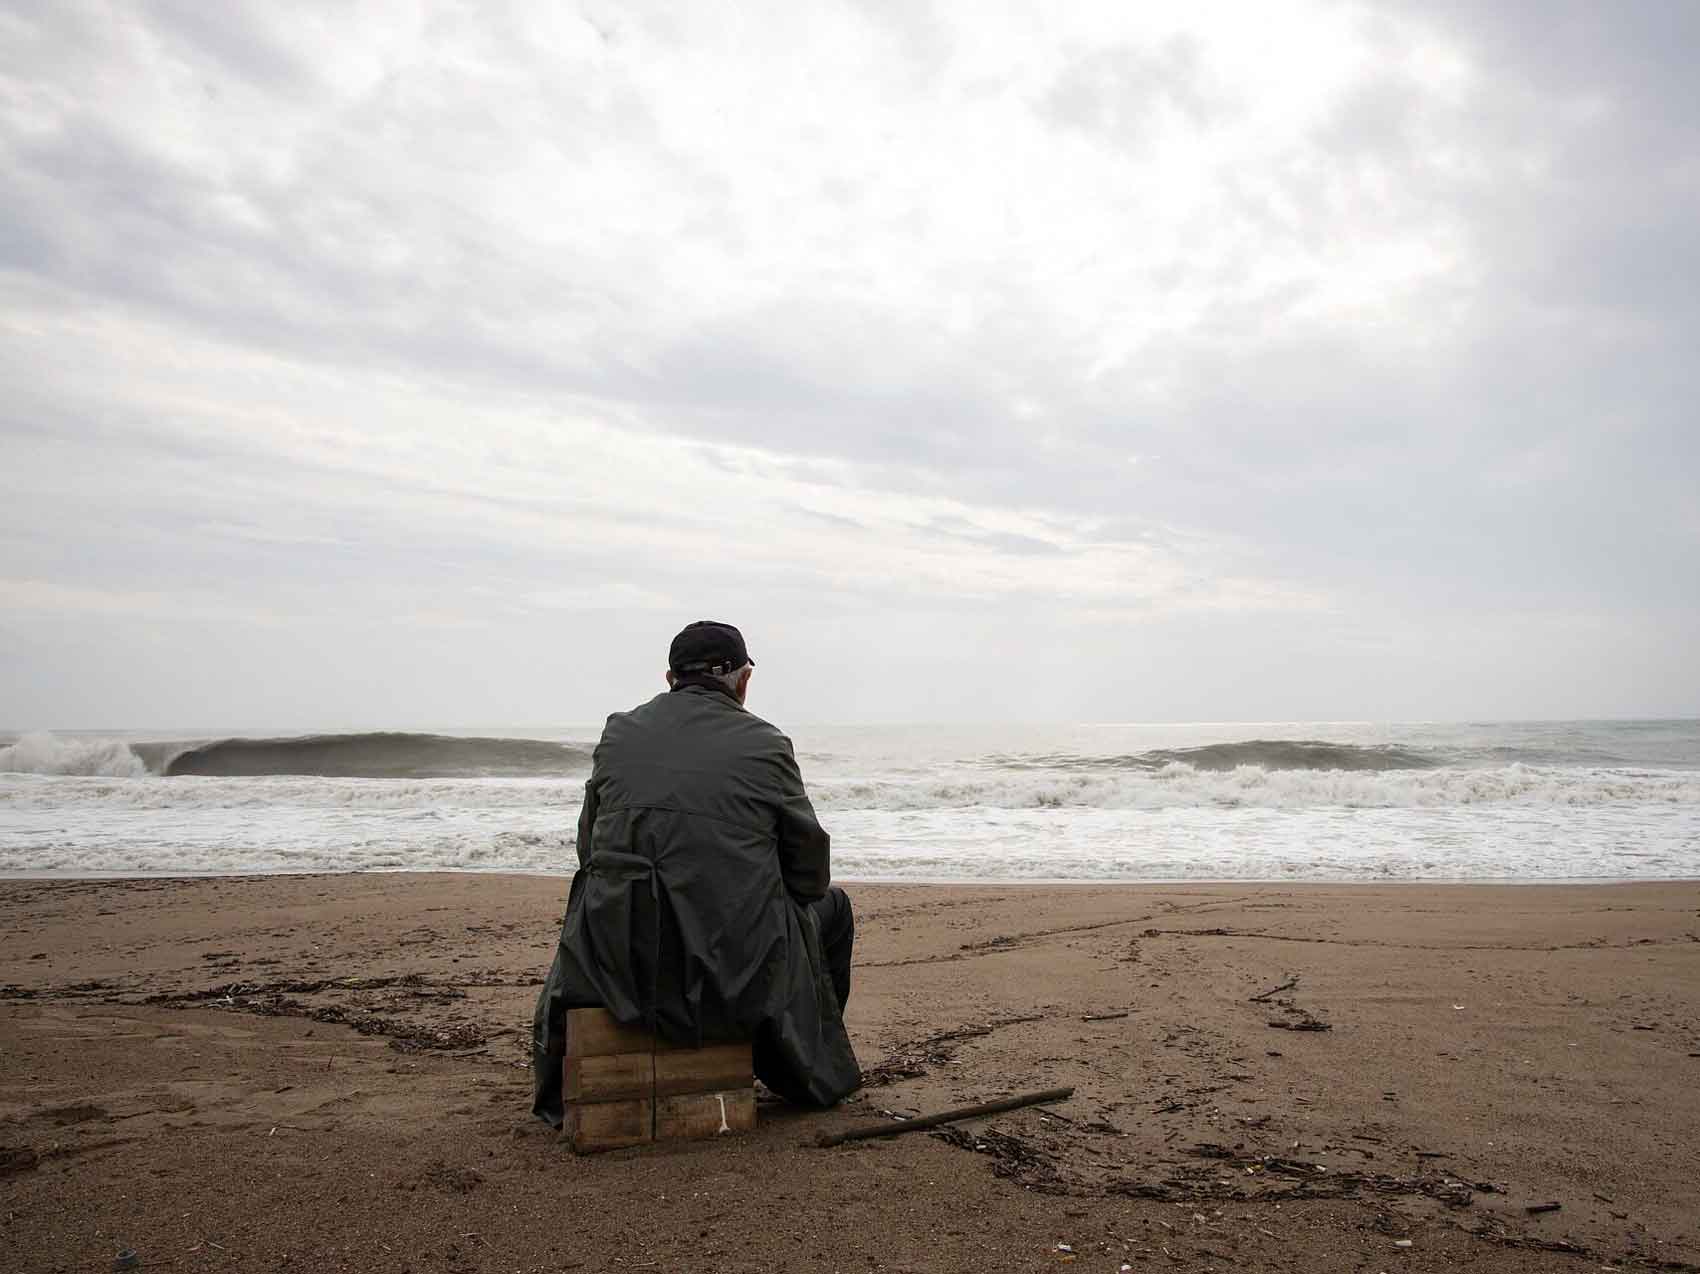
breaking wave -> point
(1267, 754)
(53, 754)
(378, 755)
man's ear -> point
(744, 683)
(669, 678)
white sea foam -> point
(418, 796)
(1173, 786)
(56, 754)
(1179, 784)
(1434, 803)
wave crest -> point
(54, 754)
(1266, 754)
(378, 755)
(1296, 754)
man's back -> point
(693, 774)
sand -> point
(330, 1073)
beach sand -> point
(330, 1073)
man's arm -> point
(586, 821)
(805, 850)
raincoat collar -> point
(689, 682)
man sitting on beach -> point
(703, 908)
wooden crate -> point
(624, 1087)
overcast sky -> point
(402, 364)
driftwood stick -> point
(1265, 996)
(828, 1140)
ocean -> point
(1264, 801)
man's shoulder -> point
(708, 711)
(645, 709)
(766, 730)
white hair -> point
(729, 679)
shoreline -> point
(931, 882)
(331, 1071)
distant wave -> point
(1266, 754)
(379, 755)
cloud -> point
(1308, 322)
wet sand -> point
(330, 1073)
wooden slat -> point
(609, 1077)
(664, 1045)
(694, 1115)
(595, 1033)
(609, 1125)
(716, 1068)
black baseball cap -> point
(708, 646)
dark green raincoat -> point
(698, 850)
